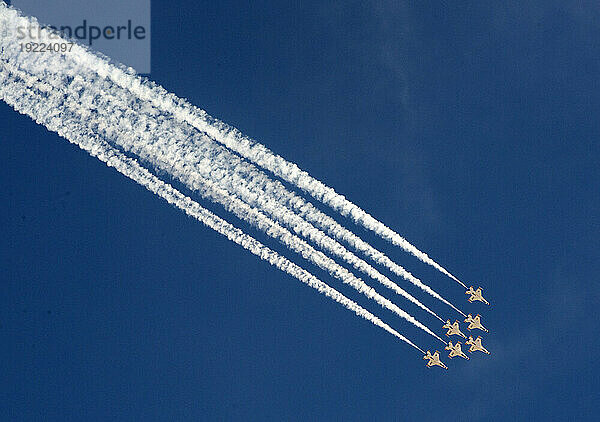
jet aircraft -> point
(476, 345)
(434, 360)
(475, 323)
(453, 329)
(476, 295)
(455, 350)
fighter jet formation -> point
(249, 184)
(453, 329)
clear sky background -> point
(471, 129)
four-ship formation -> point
(453, 329)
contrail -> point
(222, 169)
(161, 155)
(166, 152)
(248, 148)
(253, 151)
(166, 156)
(253, 179)
(169, 159)
(237, 180)
(26, 102)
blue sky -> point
(472, 130)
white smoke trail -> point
(247, 176)
(161, 155)
(235, 174)
(222, 168)
(278, 191)
(248, 148)
(167, 156)
(25, 101)
(165, 153)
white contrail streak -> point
(250, 149)
(24, 100)
(164, 154)
(167, 158)
(258, 182)
(245, 180)
(226, 174)
(259, 190)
